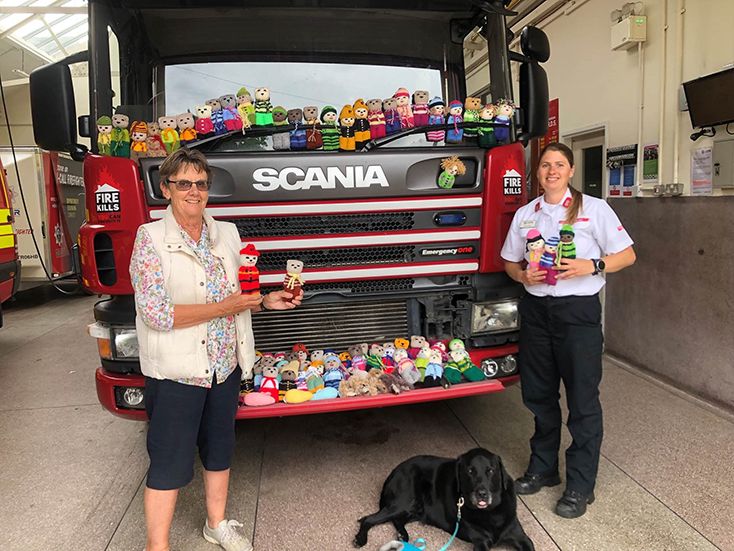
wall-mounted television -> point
(711, 99)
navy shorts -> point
(183, 417)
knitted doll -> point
(231, 116)
(505, 110)
(548, 260)
(421, 359)
(376, 118)
(313, 132)
(186, 131)
(154, 141)
(374, 358)
(451, 167)
(248, 273)
(263, 107)
(392, 118)
(293, 280)
(298, 134)
(403, 107)
(104, 135)
(329, 129)
(346, 129)
(333, 371)
(436, 113)
(434, 369)
(420, 107)
(244, 103)
(535, 245)
(169, 134)
(416, 343)
(461, 359)
(120, 137)
(455, 134)
(406, 367)
(300, 353)
(346, 359)
(361, 124)
(388, 357)
(472, 106)
(138, 137)
(566, 248)
(281, 140)
(244, 114)
(217, 116)
(204, 126)
(487, 138)
(317, 360)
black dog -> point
(428, 489)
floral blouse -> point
(156, 308)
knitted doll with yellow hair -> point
(451, 167)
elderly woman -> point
(195, 336)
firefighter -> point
(561, 334)
(196, 341)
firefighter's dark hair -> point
(180, 159)
(577, 198)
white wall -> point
(597, 86)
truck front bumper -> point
(119, 394)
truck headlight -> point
(494, 317)
(126, 344)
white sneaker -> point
(229, 534)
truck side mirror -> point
(534, 83)
(53, 108)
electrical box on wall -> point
(628, 32)
(723, 160)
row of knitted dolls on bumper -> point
(363, 370)
(349, 130)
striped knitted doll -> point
(329, 129)
(566, 248)
(217, 116)
(455, 134)
(361, 124)
(420, 107)
(231, 116)
(346, 129)
(437, 109)
(376, 119)
(548, 260)
(403, 106)
(392, 118)
(263, 107)
(249, 274)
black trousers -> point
(561, 340)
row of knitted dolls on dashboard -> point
(350, 130)
(363, 370)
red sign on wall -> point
(551, 136)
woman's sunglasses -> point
(185, 185)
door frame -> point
(573, 140)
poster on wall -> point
(622, 164)
(701, 171)
(650, 164)
(551, 135)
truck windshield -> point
(293, 85)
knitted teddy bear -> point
(374, 358)
(217, 116)
(317, 360)
(416, 343)
(230, 114)
(263, 107)
(104, 135)
(361, 124)
(269, 384)
(392, 118)
(154, 141)
(347, 140)
(186, 128)
(204, 126)
(288, 377)
(333, 371)
(313, 132)
(293, 281)
(298, 134)
(472, 106)
(120, 137)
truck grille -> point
(331, 326)
(365, 287)
(273, 261)
(324, 224)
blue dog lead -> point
(420, 544)
(459, 505)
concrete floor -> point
(73, 475)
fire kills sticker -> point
(512, 182)
(107, 201)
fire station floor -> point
(73, 475)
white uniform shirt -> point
(598, 232)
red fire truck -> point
(9, 263)
(388, 253)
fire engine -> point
(9, 262)
(387, 252)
